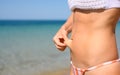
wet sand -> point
(64, 71)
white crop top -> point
(93, 4)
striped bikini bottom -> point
(81, 71)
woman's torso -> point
(93, 36)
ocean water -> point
(26, 47)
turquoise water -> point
(26, 47)
(118, 36)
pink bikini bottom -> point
(81, 71)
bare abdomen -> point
(93, 40)
(93, 48)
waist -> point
(90, 50)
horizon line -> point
(35, 19)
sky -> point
(34, 9)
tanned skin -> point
(92, 41)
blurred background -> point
(26, 31)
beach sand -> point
(64, 71)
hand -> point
(67, 41)
(59, 39)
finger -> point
(69, 43)
(57, 42)
(67, 40)
(60, 48)
(65, 35)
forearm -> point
(59, 38)
(68, 24)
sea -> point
(26, 47)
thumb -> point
(67, 41)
